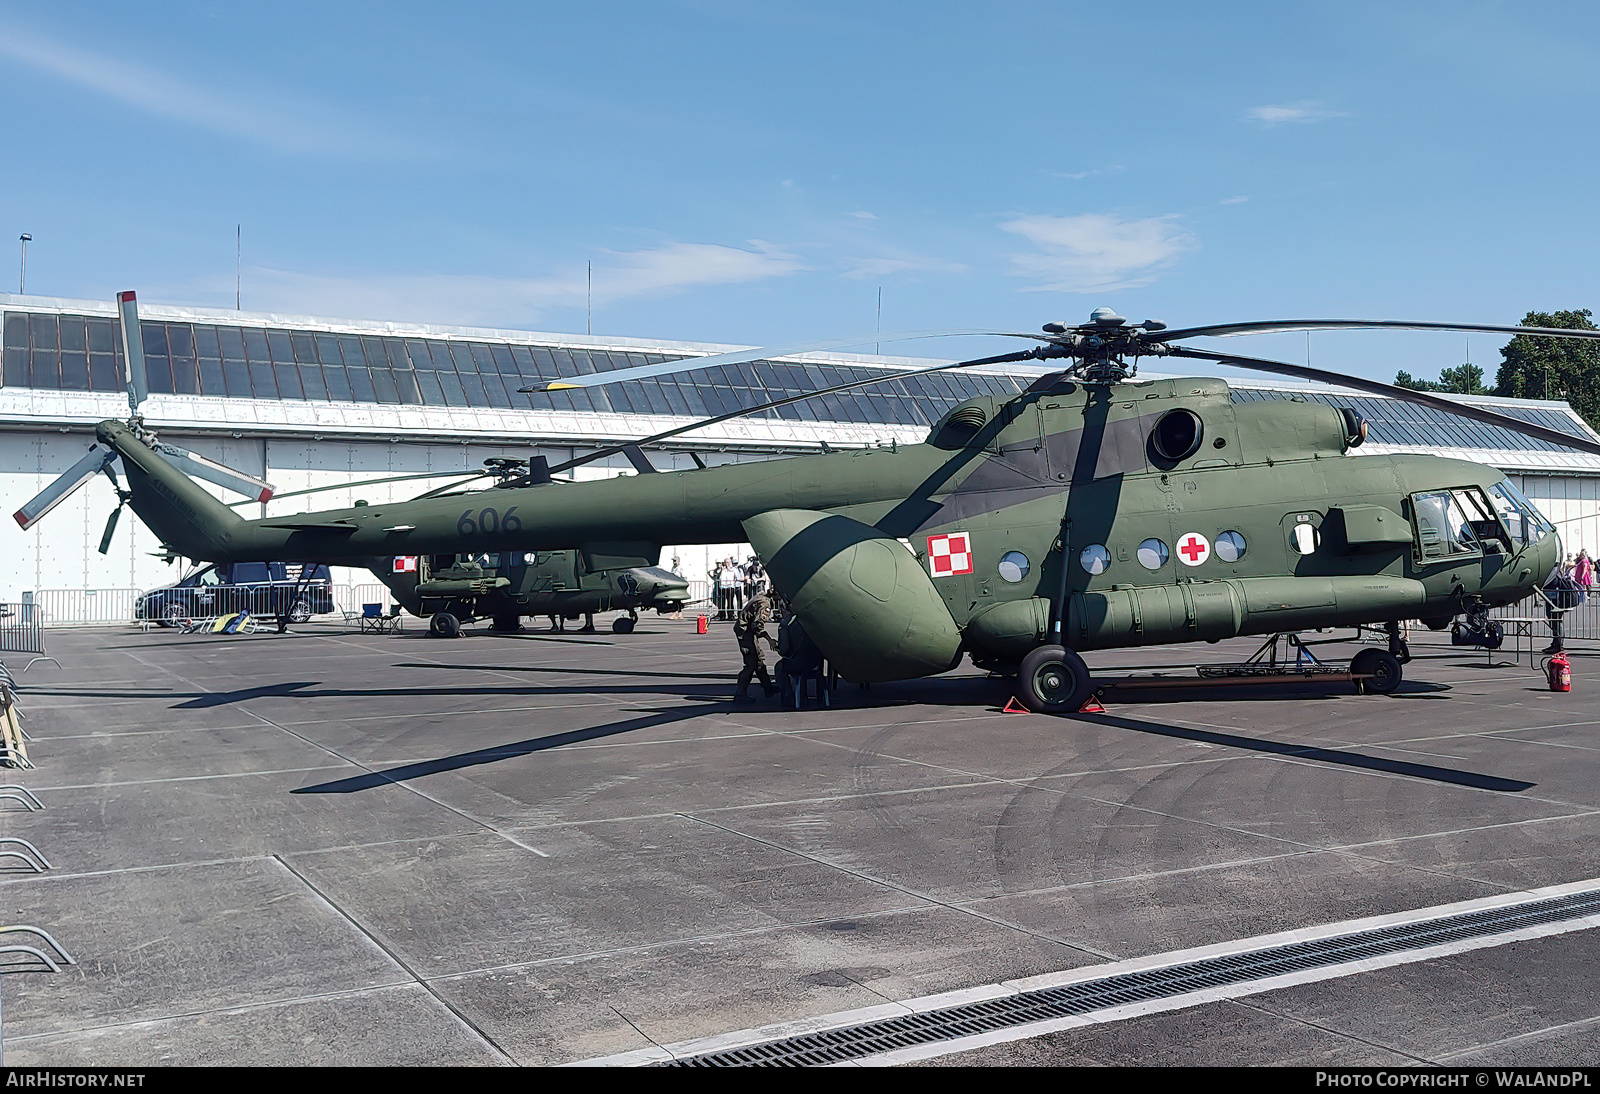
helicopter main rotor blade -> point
(97, 460)
(612, 450)
(739, 357)
(1230, 330)
(1404, 394)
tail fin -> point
(189, 521)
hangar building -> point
(304, 401)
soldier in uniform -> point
(748, 629)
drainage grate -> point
(886, 1035)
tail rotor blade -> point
(111, 527)
(133, 350)
(53, 495)
(199, 467)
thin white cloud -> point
(1239, 200)
(864, 215)
(473, 299)
(1306, 110)
(282, 124)
(1078, 175)
(1097, 252)
(860, 268)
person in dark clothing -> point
(801, 660)
(750, 629)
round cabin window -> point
(1013, 566)
(1177, 435)
(1153, 554)
(1230, 546)
(1095, 558)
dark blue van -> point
(283, 591)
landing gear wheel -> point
(1053, 680)
(299, 612)
(444, 625)
(1381, 669)
(622, 625)
(1493, 635)
(507, 624)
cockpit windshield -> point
(1454, 522)
(1519, 515)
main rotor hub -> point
(1102, 347)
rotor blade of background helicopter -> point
(612, 450)
(1229, 330)
(363, 482)
(738, 357)
(1377, 387)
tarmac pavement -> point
(325, 847)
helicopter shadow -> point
(1337, 756)
(496, 753)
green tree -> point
(1406, 380)
(1463, 379)
(1554, 368)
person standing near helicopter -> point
(750, 628)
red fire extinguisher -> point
(1559, 670)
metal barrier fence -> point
(103, 607)
(79, 607)
(1581, 624)
(20, 631)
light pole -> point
(22, 273)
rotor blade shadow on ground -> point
(729, 675)
(297, 691)
(1322, 755)
(499, 752)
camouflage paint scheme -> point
(510, 584)
(1061, 467)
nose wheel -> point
(1376, 671)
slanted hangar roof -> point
(198, 355)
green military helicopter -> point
(504, 586)
(1094, 510)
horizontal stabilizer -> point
(97, 460)
(199, 467)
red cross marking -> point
(1193, 548)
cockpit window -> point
(1453, 522)
(1519, 515)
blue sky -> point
(754, 172)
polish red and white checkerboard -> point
(405, 564)
(950, 554)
